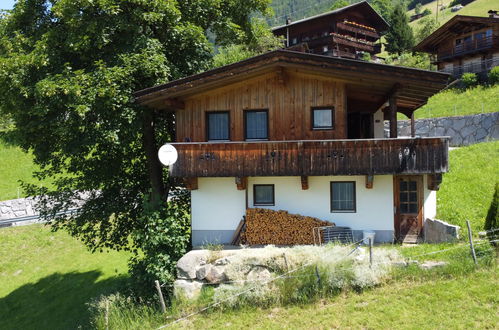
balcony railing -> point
(312, 157)
(474, 67)
(468, 47)
(354, 43)
(347, 27)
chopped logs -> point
(265, 226)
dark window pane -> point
(413, 208)
(343, 196)
(403, 197)
(403, 208)
(218, 126)
(403, 186)
(413, 197)
(323, 118)
(263, 194)
(413, 185)
(256, 125)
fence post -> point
(470, 236)
(161, 299)
(370, 252)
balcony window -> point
(217, 126)
(322, 118)
(343, 196)
(256, 124)
(263, 194)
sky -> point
(6, 4)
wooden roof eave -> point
(362, 74)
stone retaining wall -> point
(463, 130)
(17, 208)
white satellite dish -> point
(167, 155)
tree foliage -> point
(68, 70)
(339, 4)
(399, 37)
(428, 25)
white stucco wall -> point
(430, 201)
(374, 206)
(379, 125)
(217, 204)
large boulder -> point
(216, 275)
(190, 262)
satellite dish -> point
(167, 155)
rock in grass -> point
(187, 289)
(216, 275)
(432, 264)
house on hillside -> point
(465, 44)
(345, 32)
(303, 132)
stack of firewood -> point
(265, 226)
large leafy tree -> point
(68, 70)
(399, 37)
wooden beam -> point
(434, 181)
(394, 92)
(174, 104)
(369, 181)
(393, 117)
(191, 183)
(242, 183)
(304, 182)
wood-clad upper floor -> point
(285, 95)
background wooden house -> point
(304, 133)
(347, 32)
(465, 44)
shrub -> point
(492, 219)
(469, 79)
(455, 3)
(426, 12)
(494, 75)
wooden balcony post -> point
(393, 116)
(413, 127)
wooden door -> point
(408, 199)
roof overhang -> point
(457, 25)
(366, 82)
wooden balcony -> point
(358, 30)
(312, 157)
(467, 48)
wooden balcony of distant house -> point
(473, 67)
(469, 47)
(358, 29)
(358, 44)
(311, 157)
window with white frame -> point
(343, 197)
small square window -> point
(343, 196)
(217, 125)
(322, 118)
(263, 194)
(256, 124)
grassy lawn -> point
(466, 191)
(15, 165)
(476, 8)
(47, 278)
(454, 102)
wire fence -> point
(255, 284)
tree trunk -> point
(153, 164)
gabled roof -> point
(455, 26)
(362, 78)
(380, 23)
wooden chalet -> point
(465, 44)
(304, 133)
(345, 32)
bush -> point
(455, 3)
(426, 12)
(492, 219)
(469, 79)
(494, 75)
